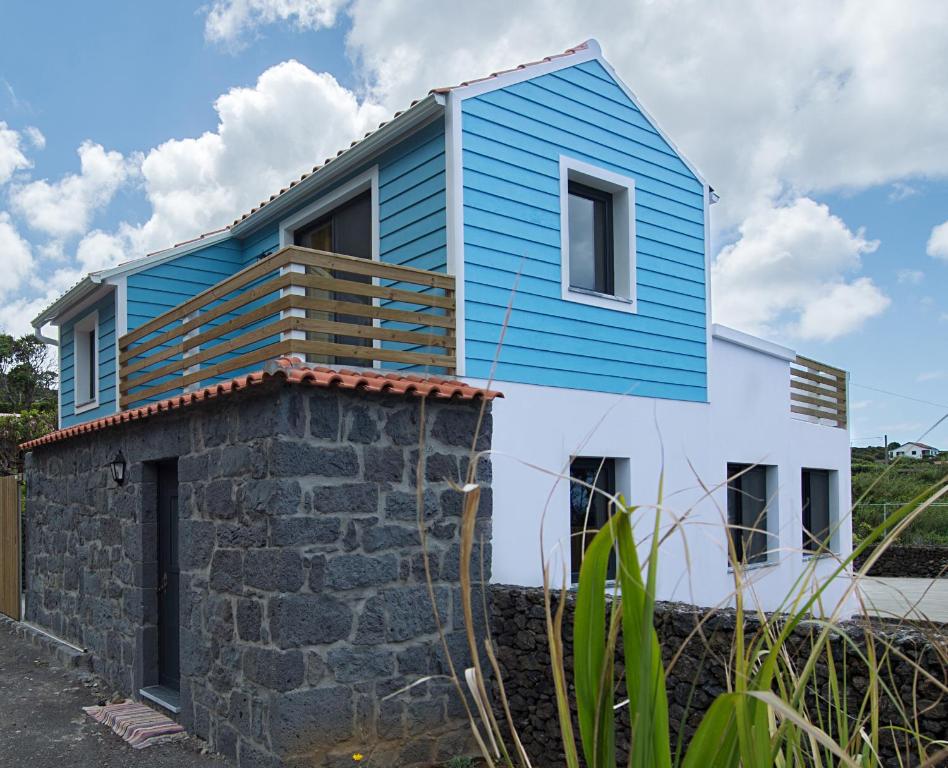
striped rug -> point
(137, 724)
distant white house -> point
(914, 451)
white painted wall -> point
(538, 429)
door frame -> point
(366, 181)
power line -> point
(897, 394)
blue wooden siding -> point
(105, 339)
(512, 141)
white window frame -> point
(622, 189)
(79, 362)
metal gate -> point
(10, 546)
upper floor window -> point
(591, 264)
(597, 220)
(817, 500)
(749, 514)
(86, 363)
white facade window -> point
(752, 512)
(819, 493)
(597, 236)
(86, 363)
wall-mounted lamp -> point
(117, 465)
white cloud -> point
(15, 314)
(787, 275)
(770, 101)
(931, 376)
(910, 276)
(229, 21)
(12, 158)
(901, 191)
(35, 136)
(267, 135)
(938, 242)
(65, 207)
(15, 255)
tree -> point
(27, 376)
(18, 428)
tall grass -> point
(782, 707)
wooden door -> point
(10, 547)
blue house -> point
(535, 228)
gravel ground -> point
(43, 725)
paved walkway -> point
(917, 599)
(43, 725)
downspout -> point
(38, 333)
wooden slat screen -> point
(263, 312)
(818, 391)
(10, 547)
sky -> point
(128, 127)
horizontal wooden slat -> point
(369, 310)
(335, 285)
(259, 334)
(271, 308)
(374, 353)
(816, 390)
(335, 328)
(833, 403)
(180, 337)
(221, 289)
(839, 419)
(378, 269)
(818, 378)
(270, 352)
(817, 366)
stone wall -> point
(919, 562)
(698, 676)
(303, 596)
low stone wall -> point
(303, 600)
(917, 562)
(699, 675)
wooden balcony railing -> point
(323, 307)
(818, 391)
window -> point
(86, 363)
(591, 264)
(589, 511)
(816, 495)
(747, 511)
(597, 221)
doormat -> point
(137, 724)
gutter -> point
(79, 291)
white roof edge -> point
(412, 118)
(182, 249)
(754, 343)
(591, 52)
(78, 292)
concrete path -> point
(917, 599)
(43, 725)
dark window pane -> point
(589, 511)
(590, 239)
(92, 370)
(747, 511)
(816, 509)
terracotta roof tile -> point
(294, 372)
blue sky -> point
(826, 150)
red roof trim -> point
(293, 372)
